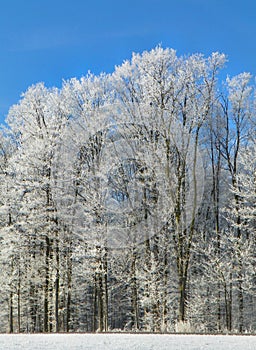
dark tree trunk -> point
(11, 313)
(46, 287)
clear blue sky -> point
(51, 40)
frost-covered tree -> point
(171, 98)
(37, 123)
(127, 201)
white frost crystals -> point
(135, 176)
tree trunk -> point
(240, 298)
(100, 302)
(182, 298)
(69, 275)
(105, 266)
(57, 287)
(18, 306)
(94, 326)
(135, 311)
(11, 313)
(46, 287)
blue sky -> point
(51, 40)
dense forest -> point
(128, 201)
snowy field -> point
(125, 341)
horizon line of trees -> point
(128, 201)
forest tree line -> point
(128, 201)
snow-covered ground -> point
(125, 341)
